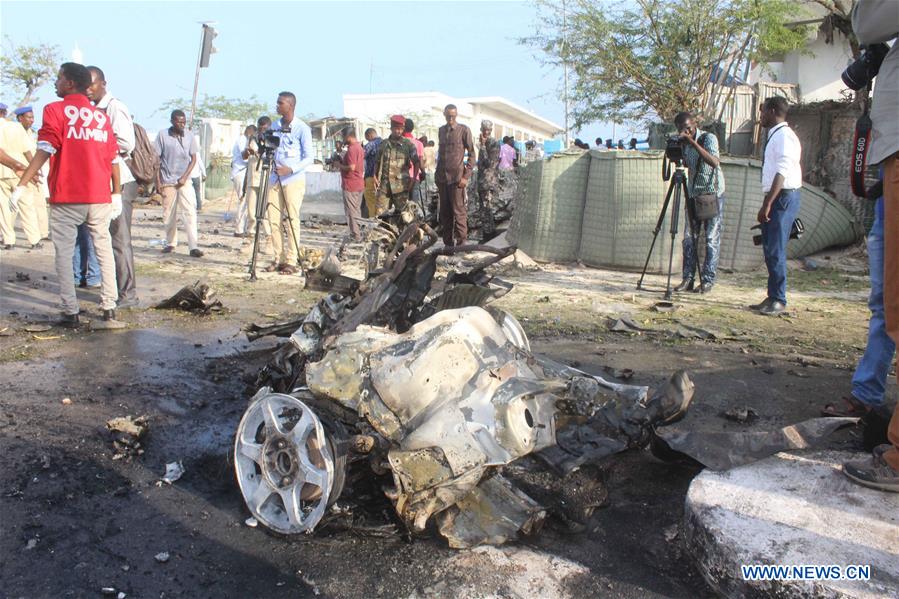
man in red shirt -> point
(414, 171)
(78, 140)
(352, 179)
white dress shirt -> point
(238, 164)
(783, 154)
(123, 129)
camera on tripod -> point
(269, 141)
(674, 148)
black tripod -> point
(266, 162)
(677, 186)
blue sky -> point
(318, 50)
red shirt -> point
(419, 147)
(354, 180)
(81, 167)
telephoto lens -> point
(865, 68)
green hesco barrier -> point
(551, 206)
(218, 181)
(621, 203)
(625, 194)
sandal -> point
(288, 269)
(273, 268)
(851, 408)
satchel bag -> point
(705, 206)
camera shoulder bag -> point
(705, 205)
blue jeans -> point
(870, 378)
(84, 259)
(712, 245)
(775, 235)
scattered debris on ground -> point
(127, 435)
(173, 471)
(198, 298)
(741, 414)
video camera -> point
(796, 232)
(269, 140)
(674, 148)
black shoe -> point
(706, 287)
(168, 249)
(195, 253)
(69, 321)
(758, 307)
(773, 309)
(685, 285)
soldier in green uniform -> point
(396, 156)
(488, 178)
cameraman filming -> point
(288, 179)
(876, 22)
(706, 184)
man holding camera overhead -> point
(705, 205)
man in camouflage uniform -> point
(395, 157)
(488, 179)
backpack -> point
(144, 162)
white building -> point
(426, 109)
(816, 68)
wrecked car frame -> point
(405, 376)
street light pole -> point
(565, 68)
(206, 36)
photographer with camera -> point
(251, 182)
(874, 23)
(781, 183)
(288, 179)
(705, 202)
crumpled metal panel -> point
(492, 513)
(723, 450)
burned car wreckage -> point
(416, 387)
(408, 376)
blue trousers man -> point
(869, 380)
(84, 260)
(693, 229)
(775, 235)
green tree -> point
(28, 67)
(643, 59)
(220, 107)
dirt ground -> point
(75, 521)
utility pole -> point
(206, 49)
(565, 68)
